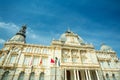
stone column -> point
(89, 75)
(65, 75)
(97, 75)
(86, 74)
(74, 74)
(78, 75)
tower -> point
(19, 36)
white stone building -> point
(68, 58)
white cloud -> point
(31, 34)
(2, 41)
(13, 28)
(37, 38)
(10, 27)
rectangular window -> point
(25, 49)
(45, 51)
(30, 49)
(13, 59)
(27, 60)
(36, 60)
(37, 50)
(33, 50)
(44, 61)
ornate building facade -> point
(68, 58)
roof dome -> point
(20, 36)
(63, 37)
(106, 48)
(17, 38)
(68, 32)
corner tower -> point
(19, 36)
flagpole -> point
(55, 66)
(55, 72)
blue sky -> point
(96, 21)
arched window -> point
(107, 76)
(5, 76)
(113, 76)
(32, 76)
(41, 76)
(21, 76)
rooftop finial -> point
(20, 35)
(22, 31)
